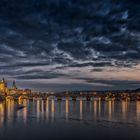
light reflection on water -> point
(109, 114)
(82, 110)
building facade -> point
(5, 90)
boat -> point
(20, 106)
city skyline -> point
(70, 45)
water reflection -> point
(95, 109)
(138, 109)
(83, 110)
(24, 111)
(38, 108)
(124, 109)
(99, 105)
(10, 109)
(42, 107)
(47, 108)
(1, 114)
(52, 109)
(67, 109)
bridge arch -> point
(22, 97)
(9, 97)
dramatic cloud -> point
(85, 42)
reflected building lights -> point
(138, 109)
(1, 114)
(99, 106)
(67, 108)
(124, 108)
(95, 109)
(10, 108)
(113, 106)
(90, 107)
(109, 109)
(38, 108)
(81, 109)
(25, 110)
(42, 108)
(47, 107)
(52, 109)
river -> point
(51, 119)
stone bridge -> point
(64, 96)
(50, 96)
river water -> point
(51, 119)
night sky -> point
(70, 44)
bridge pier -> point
(88, 98)
(44, 98)
(16, 99)
(30, 98)
(59, 98)
(74, 98)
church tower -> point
(14, 86)
(3, 86)
(3, 80)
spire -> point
(3, 80)
(14, 85)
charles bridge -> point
(88, 96)
(16, 94)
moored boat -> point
(20, 106)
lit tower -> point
(14, 86)
(3, 87)
(3, 80)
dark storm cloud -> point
(39, 75)
(67, 33)
(124, 84)
(114, 82)
(99, 64)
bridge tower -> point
(14, 87)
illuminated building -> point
(4, 90)
(3, 87)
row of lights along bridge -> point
(15, 93)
